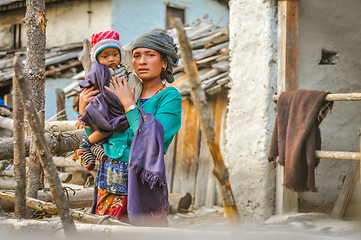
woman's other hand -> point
(122, 91)
(85, 97)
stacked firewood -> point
(209, 44)
(58, 59)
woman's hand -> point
(122, 91)
(85, 97)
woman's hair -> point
(164, 44)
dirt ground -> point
(197, 224)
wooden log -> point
(203, 53)
(213, 90)
(200, 31)
(201, 42)
(7, 123)
(60, 105)
(217, 40)
(61, 126)
(19, 155)
(347, 190)
(59, 143)
(35, 65)
(74, 214)
(209, 59)
(336, 97)
(61, 58)
(221, 66)
(7, 183)
(62, 68)
(78, 198)
(46, 159)
(200, 103)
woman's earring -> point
(163, 69)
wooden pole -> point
(287, 201)
(347, 190)
(338, 155)
(60, 104)
(46, 159)
(35, 22)
(200, 102)
(19, 154)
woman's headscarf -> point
(162, 43)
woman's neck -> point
(151, 87)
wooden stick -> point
(75, 214)
(338, 155)
(46, 158)
(347, 190)
(62, 68)
(336, 97)
(19, 154)
(200, 102)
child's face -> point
(109, 57)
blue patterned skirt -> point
(112, 176)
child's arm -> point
(95, 137)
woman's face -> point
(148, 63)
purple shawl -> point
(147, 184)
(104, 113)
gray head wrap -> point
(162, 43)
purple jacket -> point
(104, 113)
(147, 183)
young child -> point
(104, 114)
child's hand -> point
(85, 97)
(122, 91)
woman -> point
(153, 56)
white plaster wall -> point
(68, 22)
(134, 17)
(333, 25)
(71, 23)
(251, 114)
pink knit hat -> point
(103, 40)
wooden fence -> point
(188, 160)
